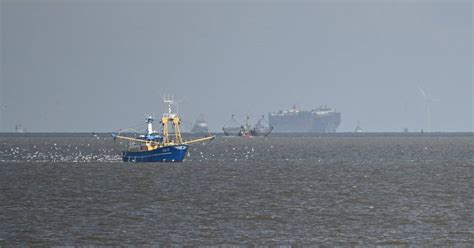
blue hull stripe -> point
(174, 153)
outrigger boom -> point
(116, 136)
(200, 140)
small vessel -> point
(358, 129)
(200, 126)
(20, 129)
(155, 146)
(234, 128)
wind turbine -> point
(428, 101)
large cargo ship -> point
(320, 120)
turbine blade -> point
(422, 92)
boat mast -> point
(149, 121)
(173, 119)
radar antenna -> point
(169, 99)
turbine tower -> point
(428, 100)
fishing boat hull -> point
(261, 131)
(172, 153)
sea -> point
(345, 190)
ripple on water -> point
(334, 191)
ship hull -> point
(261, 131)
(173, 153)
(232, 131)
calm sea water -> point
(367, 190)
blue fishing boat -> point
(154, 146)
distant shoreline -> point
(339, 134)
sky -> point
(100, 66)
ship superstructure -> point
(320, 120)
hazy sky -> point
(102, 65)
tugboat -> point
(246, 130)
(159, 147)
